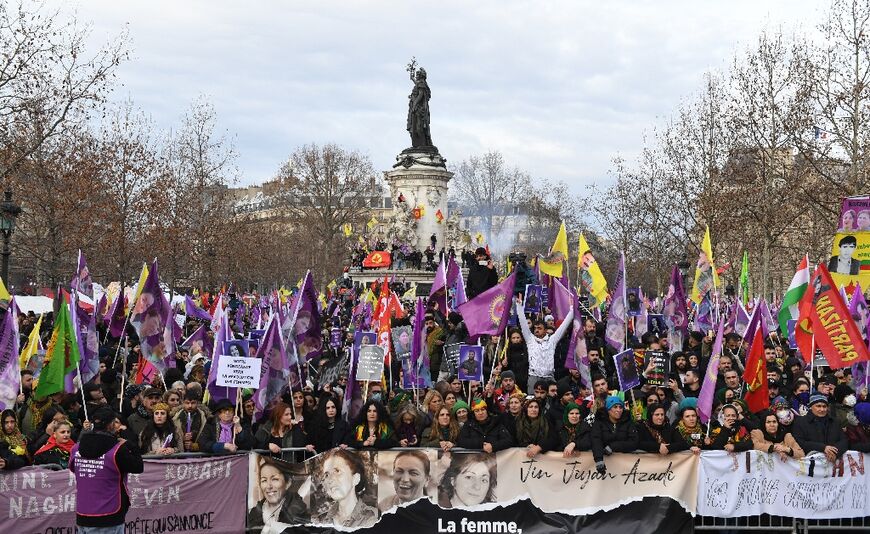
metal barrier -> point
(769, 523)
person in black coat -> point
(481, 274)
(217, 436)
(534, 430)
(612, 431)
(330, 430)
(484, 432)
(655, 434)
(817, 430)
(574, 433)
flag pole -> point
(82, 389)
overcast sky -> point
(560, 88)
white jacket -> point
(542, 350)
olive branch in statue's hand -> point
(412, 66)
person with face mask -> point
(859, 435)
(843, 407)
(784, 414)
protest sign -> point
(402, 337)
(237, 348)
(626, 370)
(471, 362)
(451, 355)
(335, 337)
(237, 372)
(370, 366)
(661, 367)
(532, 300)
(754, 483)
(189, 495)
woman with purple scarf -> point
(226, 432)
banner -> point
(374, 485)
(754, 483)
(185, 495)
(850, 259)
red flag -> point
(831, 326)
(803, 330)
(378, 258)
(755, 376)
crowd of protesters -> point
(528, 399)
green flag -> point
(61, 356)
(745, 290)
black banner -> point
(652, 514)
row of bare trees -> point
(745, 157)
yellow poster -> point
(850, 260)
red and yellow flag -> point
(755, 376)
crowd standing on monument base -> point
(529, 395)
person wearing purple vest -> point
(100, 462)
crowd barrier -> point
(202, 493)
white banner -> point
(753, 483)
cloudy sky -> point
(560, 88)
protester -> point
(190, 421)
(330, 430)
(279, 431)
(533, 430)
(731, 434)
(442, 433)
(613, 431)
(13, 444)
(56, 450)
(101, 484)
(690, 432)
(574, 434)
(859, 434)
(772, 438)
(541, 346)
(655, 434)
(160, 436)
(225, 433)
(484, 432)
(818, 432)
(373, 429)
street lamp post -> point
(9, 211)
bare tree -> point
(487, 189)
(47, 77)
(321, 189)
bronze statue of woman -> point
(418, 108)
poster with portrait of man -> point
(626, 370)
(850, 259)
(471, 362)
(532, 301)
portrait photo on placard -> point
(626, 370)
(402, 336)
(471, 362)
(237, 348)
(532, 301)
(466, 479)
(278, 494)
(405, 477)
(344, 488)
(632, 298)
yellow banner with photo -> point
(850, 259)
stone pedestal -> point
(420, 175)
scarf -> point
(226, 432)
(52, 443)
(445, 433)
(37, 408)
(774, 438)
(16, 441)
(407, 431)
(362, 431)
(687, 432)
(655, 431)
(531, 431)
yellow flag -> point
(139, 286)
(552, 264)
(283, 294)
(348, 229)
(479, 238)
(592, 282)
(372, 222)
(706, 277)
(411, 293)
(32, 345)
(331, 285)
(5, 297)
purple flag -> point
(614, 333)
(641, 322)
(10, 374)
(420, 373)
(84, 319)
(274, 371)
(453, 271)
(192, 310)
(858, 310)
(674, 311)
(117, 316)
(488, 312)
(152, 317)
(240, 318)
(708, 388)
(459, 297)
(222, 333)
(561, 300)
(577, 357)
(306, 324)
(199, 342)
(438, 293)
(98, 310)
